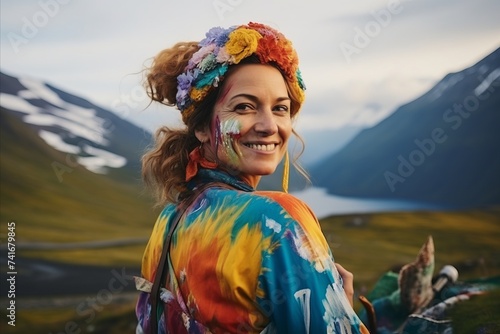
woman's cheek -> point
(228, 133)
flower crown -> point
(224, 47)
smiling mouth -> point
(260, 147)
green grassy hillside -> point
(367, 245)
(53, 200)
(370, 244)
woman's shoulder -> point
(280, 197)
(292, 205)
(271, 203)
(276, 214)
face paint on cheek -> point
(216, 134)
(229, 134)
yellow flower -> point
(197, 94)
(187, 113)
(300, 92)
(242, 43)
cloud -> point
(95, 48)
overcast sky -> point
(360, 59)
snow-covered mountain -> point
(89, 135)
(70, 170)
(103, 143)
(442, 147)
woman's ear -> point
(203, 135)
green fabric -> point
(390, 317)
(385, 286)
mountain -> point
(70, 170)
(322, 143)
(443, 147)
(89, 135)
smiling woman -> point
(252, 120)
(223, 257)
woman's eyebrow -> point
(254, 98)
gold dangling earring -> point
(286, 172)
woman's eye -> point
(242, 107)
(281, 108)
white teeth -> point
(268, 147)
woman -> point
(240, 260)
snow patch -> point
(57, 142)
(27, 95)
(41, 91)
(65, 117)
(72, 127)
(100, 159)
(486, 83)
(446, 84)
(13, 102)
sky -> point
(360, 59)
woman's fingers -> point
(348, 279)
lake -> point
(324, 204)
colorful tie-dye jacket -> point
(245, 261)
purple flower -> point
(184, 85)
(223, 37)
(184, 81)
(181, 97)
(211, 35)
(217, 36)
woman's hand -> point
(348, 279)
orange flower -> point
(278, 49)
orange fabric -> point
(195, 159)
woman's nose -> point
(266, 122)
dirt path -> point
(62, 283)
(80, 245)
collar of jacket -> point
(214, 175)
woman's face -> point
(251, 122)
